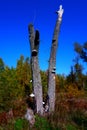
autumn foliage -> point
(16, 85)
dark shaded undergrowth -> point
(70, 114)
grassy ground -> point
(70, 114)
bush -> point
(71, 127)
(41, 123)
(80, 119)
(21, 124)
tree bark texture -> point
(52, 67)
(36, 77)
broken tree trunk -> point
(52, 62)
(36, 77)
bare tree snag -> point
(36, 77)
(52, 62)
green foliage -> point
(44, 83)
(60, 83)
(76, 76)
(85, 82)
(71, 77)
(15, 86)
(18, 124)
(23, 75)
(81, 50)
(41, 123)
(14, 83)
(1, 65)
(80, 119)
(71, 127)
(7, 88)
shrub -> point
(41, 123)
(80, 119)
(71, 127)
(21, 124)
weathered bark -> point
(30, 116)
(36, 77)
(52, 63)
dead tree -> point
(52, 62)
(37, 86)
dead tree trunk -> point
(37, 86)
(52, 62)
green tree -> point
(27, 77)
(2, 65)
(7, 88)
(71, 78)
(60, 82)
(44, 83)
(23, 75)
(81, 50)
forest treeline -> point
(16, 83)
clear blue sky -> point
(15, 15)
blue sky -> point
(15, 15)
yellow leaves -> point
(72, 91)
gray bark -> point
(52, 67)
(36, 77)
